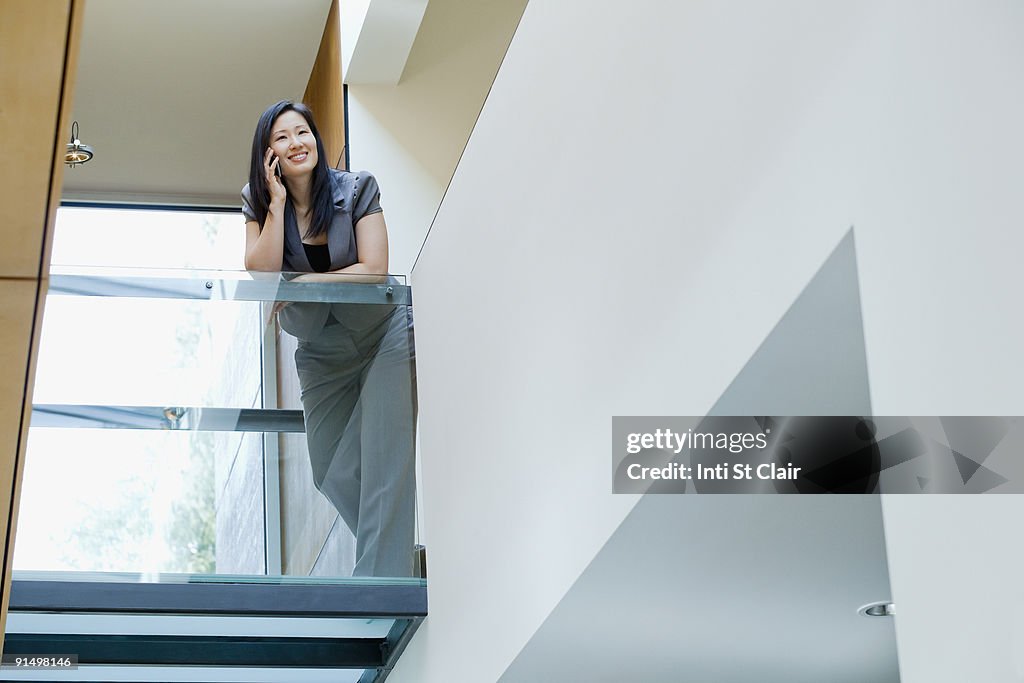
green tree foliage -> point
(113, 534)
(191, 534)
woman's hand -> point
(278, 193)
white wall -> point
(411, 135)
(646, 191)
(352, 14)
(956, 562)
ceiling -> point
(168, 93)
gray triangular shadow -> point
(978, 436)
(984, 480)
(922, 482)
(965, 465)
(813, 362)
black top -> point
(319, 256)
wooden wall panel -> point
(18, 338)
(17, 310)
(38, 53)
(324, 91)
(33, 36)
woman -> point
(354, 361)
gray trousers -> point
(357, 380)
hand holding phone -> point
(271, 160)
(275, 182)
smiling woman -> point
(355, 363)
(335, 215)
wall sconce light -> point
(76, 153)
(878, 609)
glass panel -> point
(143, 501)
(129, 237)
(164, 352)
(222, 423)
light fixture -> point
(878, 609)
(76, 153)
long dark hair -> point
(321, 195)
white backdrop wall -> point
(956, 562)
(411, 135)
(646, 191)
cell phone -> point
(277, 169)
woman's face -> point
(294, 144)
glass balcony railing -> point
(197, 429)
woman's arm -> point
(264, 247)
(371, 247)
